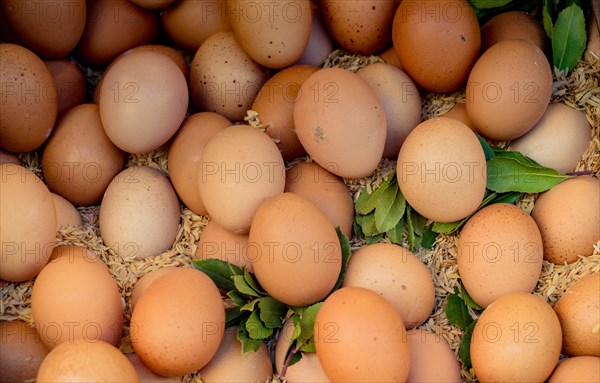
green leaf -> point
(389, 209)
(306, 340)
(346, 252)
(237, 298)
(248, 344)
(373, 239)
(250, 306)
(410, 230)
(429, 237)
(233, 316)
(457, 311)
(271, 312)
(295, 358)
(219, 271)
(568, 37)
(395, 234)
(487, 149)
(242, 286)
(256, 328)
(418, 222)
(366, 202)
(368, 225)
(446, 227)
(468, 300)
(464, 352)
(517, 173)
(249, 278)
(548, 17)
(487, 4)
(356, 226)
(297, 327)
(510, 198)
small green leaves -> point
(366, 202)
(389, 209)
(487, 4)
(568, 37)
(248, 344)
(457, 311)
(219, 271)
(345, 247)
(468, 300)
(464, 351)
(256, 328)
(272, 312)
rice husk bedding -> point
(580, 89)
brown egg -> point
(568, 216)
(558, 140)
(240, 168)
(274, 104)
(593, 36)
(294, 250)
(397, 275)
(85, 361)
(29, 100)
(578, 311)
(185, 152)
(143, 102)
(66, 214)
(27, 224)
(307, 370)
(153, 4)
(428, 350)
(21, 351)
(223, 78)
(327, 191)
(75, 297)
(360, 337)
(499, 252)
(508, 89)
(70, 83)
(580, 369)
(401, 103)
(112, 27)
(320, 44)
(50, 28)
(453, 165)
(516, 339)
(190, 22)
(390, 56)
(341, 123)
(218, 243)
(79, 160)
(145, 281)
(230, 365)
(512, 25)
(145, 374)
(9, 158)
(459, 112)
(178, 323)
(362, 27)
(170, 52)
(437, 42)
(139, 214)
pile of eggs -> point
(272, 214)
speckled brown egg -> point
(294, 250)
(178, 323)
(85, 361)
(568, 216)
(240, 168)
(29, 99)
(446, 182)
(508, 89)
(437, 42)
(79, 160)
(185, 152)
(27, 223)
(397, 275)
(66, 214)
(579, 369)
(75, 297)
(516, 339)
(512, 25)
(579, 311)
(340, 122)
(21, 351)
(499, 252)
(427, 350)
(230, 365)
(70, 83)
(274, 104)
(145, 281)
(139, 214)
(359, 336)
(326, 190)
(218, 243)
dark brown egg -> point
(70, 83)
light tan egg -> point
(512, 25)
(185, 152)
(558, 140)
(401, 103)
(145, 374)
(426, 351)
(21, 351)
(66, 214)
(27, 223)
(218, 243)
(168, 51)
(568, 216)
(579, 369)
(145, 281)
(320, 44)
(459, 112)
(70, 83)
(139, 214)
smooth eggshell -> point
(66, 214)
(218, 243)
(145, 281)
(428, 350)
(390, 56)
(9, 158)
(294, 250)
(79, 160)
(516, 339)
(320, 44)
(70, 83)
(341, 123)
(579, 311)
(178, 323)
(85, 361)
(153, 4)
(512, 25)
(75, 297)
(453, 165)
(360, 337)
(499, 252)
(240, 168)
(139, 214)
(185, 152)
(21, 351)
(580, 369)
(459, 112)
(145, 374)
(27, 223)
(558, 140)
(397, 275)
(568, 216)
(170, 52)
